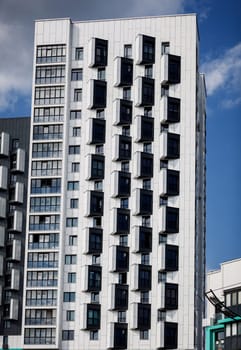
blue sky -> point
(220, 58)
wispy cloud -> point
(223, 74)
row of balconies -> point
(145, 54)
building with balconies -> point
(115, 248)
(14, 151)
(223, 317)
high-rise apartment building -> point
(14, 145)
(115, 247)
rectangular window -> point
(51, 53)
(48, 114)
(71, 277)
(70, 315)
(47, 149)
(70, 259)
(49, 95)
(68, 335)
(94, 335)
(72, 240)
(75, 167)
(46, 168)
(101, 74)
(76, 132)
(128, 51)
(77, 74)
(74, 203)
(71, 222)
(44, 204)
(69, 297)
(46, 132)
(72, 185)
(79, 53)
(144, 334)
(50, 75)
(165, 48)
(127, 93)
(77, 95)
(74, 149)
(148, 71)
(75, 114)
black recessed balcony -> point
(120, 336)
(173, 146)
(172, 185)
(146, 165)
(145, 129)
(144, 277)
(94, 278)
(145, 239)
(97, 131)
(122, 259)
(171, 257)
(125, 71)
(144, 316)
(124, 148)
(96, 203)
(121, 297)
(172, 220)
(93, 316)
(100, 52)
(98, 94)
(97, 167)
(124, 184)
(145, 202)
(95, 241)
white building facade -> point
(115, 252)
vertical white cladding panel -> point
(4, 144)
(3, 177)
(3, 203)
(13, 309)
(111, 300)
(110, 335)
(160, 335)
(1, 294)
(112, 258)
(16, 254)
(138, 91)
(134, 273)
(91, 52)
(164, 69)
(15, 279)
(160, 295)
(163, 145)
(19, 192)
(2, 236)
(117, 71)
(1, 265)
(163, 182)
(139, 48)
(18, 220)
(20, 165)
(135, 239)
(161, 257)
(133, 315)
(163, 109)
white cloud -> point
(16, 65)
(223, 74)
(16, 33)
